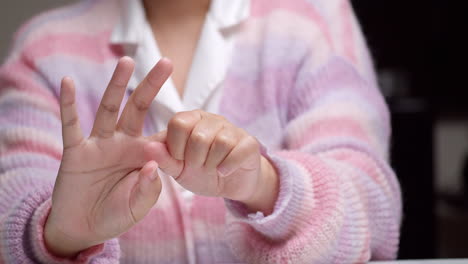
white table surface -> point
(432, 261)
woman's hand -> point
(106, 183)
(210, 156)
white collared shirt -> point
(209, 65)
(210, 60)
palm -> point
(107, 171)
(105, 183)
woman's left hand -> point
(209, 156)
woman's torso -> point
(244, 68)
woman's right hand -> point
(106, 183)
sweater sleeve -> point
(30, 154)
(339, 200)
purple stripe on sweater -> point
(59, 14)
(337, 75)
(379, 125)
(30, 116)
(268, 92)
(275, 52)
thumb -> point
(158, 152)
(146, 192)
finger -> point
(71, 130)
(146, 192)
(223, 144)
(246, 150)
(159, 137)
(178, 132)
(200, 141)
(108, 112)
(135, 157)
(133, 115)
(158, 152)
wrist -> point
(60, 244)
(264, 199)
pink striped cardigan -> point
(301, 80)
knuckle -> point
(73, 145)
(225, 141)
(111, 108)
(199, 138)
(220, 118)
(141, 105)
(71, 122)
(200, 112)
(118, 84)
(204, 114)
(131, 131)
(105, 133)
(68, 103)
(180, 122)
(153, 80)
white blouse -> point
(210, 60)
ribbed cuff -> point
(23, 234)
(282, 222)
(15, 230)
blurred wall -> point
(14, 13)
(451, 144)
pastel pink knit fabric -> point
(301, 80)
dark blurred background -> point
(420, 57)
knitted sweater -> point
(301, 80)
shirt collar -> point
(226, 13)
(132, 16)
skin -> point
(177, 25)
(108, 182)
(209, 156)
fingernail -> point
(154, 173)
(153, 176)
